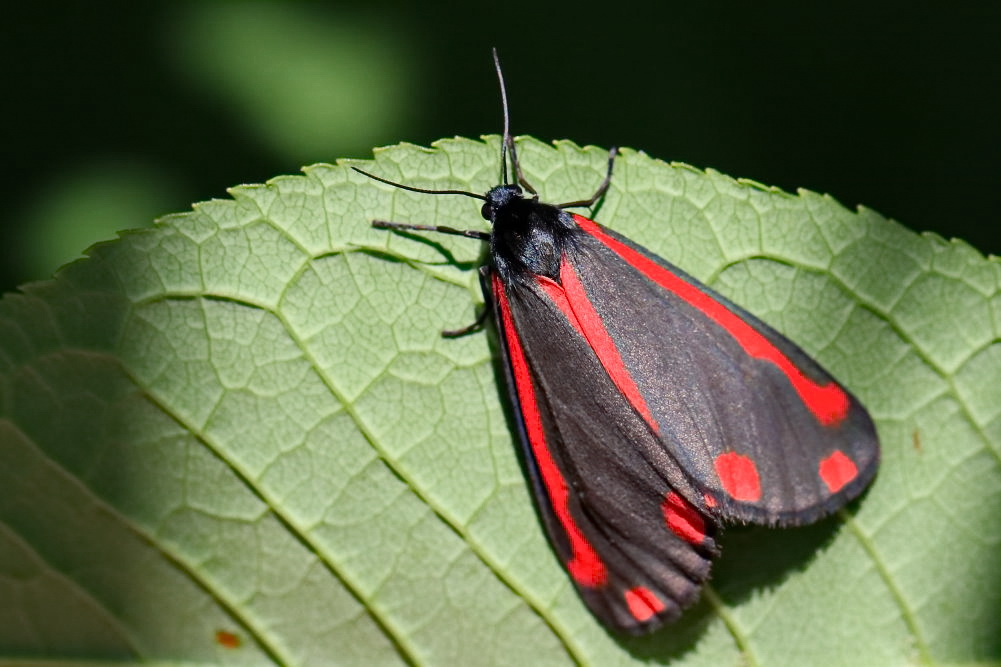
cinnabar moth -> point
(650, 408)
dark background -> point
(118, 112)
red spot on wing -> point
(643, 603)
(828, 402)
(585, 566)
(683, 519)
(710, 500)
(837, 470)
(227, 639)
(739, 476)
(573, 302)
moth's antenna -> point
(423, 191)
(507, 144)
(507, 119)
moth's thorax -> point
(529, 238)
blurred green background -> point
(119, 112)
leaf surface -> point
(239, 437)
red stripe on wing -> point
(828, 402)
(572, 301)
(585, 566)
(683, 519)
(643, 603)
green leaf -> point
(242, 426)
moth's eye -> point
(487, 211)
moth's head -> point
(498, 198)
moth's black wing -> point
(606, 488)
(763, 433)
